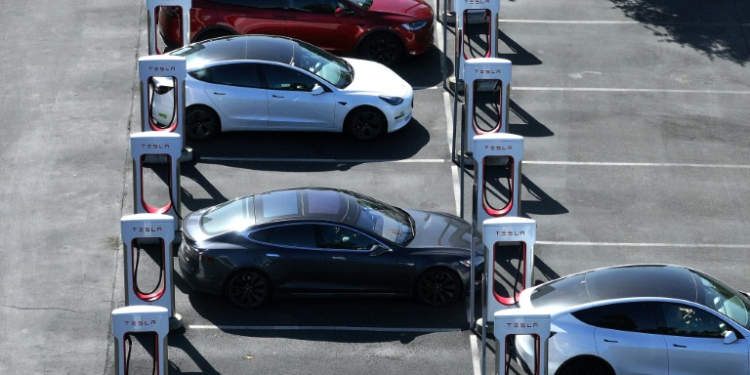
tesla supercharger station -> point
(471, 11)
(164, 67)
(486, 74)
(157, 145)
(491, 150)
(149, 228)
(140, 319)
(517, 322)
(153, 34)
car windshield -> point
(365, 4)
(391, 223)
(724, 299)
(333, 69)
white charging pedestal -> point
(140, 319)
(153, 33)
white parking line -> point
(324, 328)
(334, 161)
(600, 89)
(612, 22)
(645, 244)
(618, 164)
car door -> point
(318, 23)
(290, 257)
(353, 266)
(237, 94)
(625, 331)
(251, 16)
(695, 341)
(292, 104)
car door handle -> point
(612, 341)
(679, 346)
(278, 96)
(219, 93)
(338, 258)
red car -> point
(380, 30)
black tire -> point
(201, 123)
(365, 124)
(211, 35)
(585, 367)
(438, 287)
(384, 48)
(248, 289)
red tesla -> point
(380, 30)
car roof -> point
(241, 47)
(305, 204)
(619, 282)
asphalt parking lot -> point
(634, 115)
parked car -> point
(641, 319)
(325, 241)
(273, 83)
(378, 30)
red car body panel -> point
(339, 32)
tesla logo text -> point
(147, 229)
(477, 2)
(522, 325)
(509, 233)
(138, 323)
(154, 146)
(161, 68)
(498, 148)
(487, 71)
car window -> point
(243, 75)
(684, 320)
(283, 78)
(314, 6)
(634, 317)
(261, 4)
(337, 237)
(298, 235)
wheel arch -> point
(432, 267)
(380, 30)
(585, 358)
(225, 283)
(213, 29)
(206, 107)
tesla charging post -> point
(511, 323)
(157, 144)
(140, 319)
(149, 228)
(486, 74)
(162, 67)
(153, 19)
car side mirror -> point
(339, 12)
(378, 250)
(317, 89)
(730, 337)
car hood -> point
(414, 8)
(437, 230)
(372, 77)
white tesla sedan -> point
(641, 319)
(262, 82)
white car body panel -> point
(301, 110)
(620, 348)
(238, 107)
(700, 356)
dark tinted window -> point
(336, 237)
(566, 291)
(263, 4)
(683, 320)
(314, 6)
(302, 235)
(283, 78)
(243, 75)
(634, 317)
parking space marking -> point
(324, 328)
(635, 244)
(620, 164)
(604, 22)
(599, 89)
(344, 161)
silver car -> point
(641, 319)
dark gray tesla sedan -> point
(326, 242)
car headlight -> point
(414, 26)
(392, 100)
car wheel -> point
(201, 123)
(585, 367)
(248, 288)
(365, 124)
(438, 287)
(384, 48)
